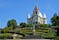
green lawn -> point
(57, 38)
(43, 33)
(26, 31)
(48, 35)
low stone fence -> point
(26, 39)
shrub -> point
(5, 35)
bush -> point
(5, 35)
(45, 25)
(48, 35)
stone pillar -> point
(33, 29)
(14, 36)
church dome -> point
(40, 14)
(44, 15)
(29, 16)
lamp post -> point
(34, 28)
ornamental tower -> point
(36, 17)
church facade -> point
(36, 17)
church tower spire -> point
(36, 9)
(37, 16)
(36, 5)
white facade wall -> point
(37, 17)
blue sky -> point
(19, 9)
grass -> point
(48, 35)
(42, 30)
(26, 31)
(57, 38)
(43, 33)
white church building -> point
(36, 17)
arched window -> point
(36, 22)
(36, 12)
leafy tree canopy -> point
(12, 23)
(55, 20)
(23, 24)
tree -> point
(45, 25)
(23, 25)
(12, 23)
(29, 25)
(55, 20)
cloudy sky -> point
(19, 9)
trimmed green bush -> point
(5, 35)
(48, 35)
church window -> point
(36, 12)
(36, 22)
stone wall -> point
(26, 39)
